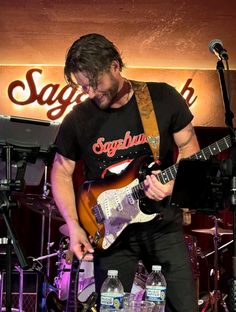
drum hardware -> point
(46, 207)
(212, 230)
(86, 284)
(215, 297)
(46, 256)
(56, 301)
(202, 255)
(39, 203)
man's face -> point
(107, 86)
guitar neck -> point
(204, 154)
(169, 174)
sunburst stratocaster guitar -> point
(107, 206)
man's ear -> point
(115, 65)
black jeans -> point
(167, 248)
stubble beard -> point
(105, 100)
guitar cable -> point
(91, 300)
(75, 287)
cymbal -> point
(41, 204)
(212, 231)
(64, 229)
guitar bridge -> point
(98, 213)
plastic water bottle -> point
(112, 292)
(156, 288)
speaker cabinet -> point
(32, 290)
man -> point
(106, 132)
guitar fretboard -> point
(169, 174)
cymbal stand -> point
(215, 295)
(216, 292)
(42, 233)
(49, 243)
(45, 194)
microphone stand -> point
(229, 123)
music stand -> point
(203, 186)
(200, 185)
(22, 141)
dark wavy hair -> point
(92, 54)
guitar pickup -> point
(98, 213)
(119, 206)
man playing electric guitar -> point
(107, 133)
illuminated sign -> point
(41, 92)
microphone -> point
(216, 46)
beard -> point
(104, 99)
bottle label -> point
(113, 301)
(156, 293)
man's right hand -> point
(79, 243)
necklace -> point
(130, 92)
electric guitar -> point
(106, 207)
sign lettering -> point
(58, 99)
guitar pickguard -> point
(120, 209)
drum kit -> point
(215, 300)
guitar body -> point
(107, 206)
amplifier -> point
(32, 290)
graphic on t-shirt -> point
(111, 147)
(117, 168)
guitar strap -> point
(148, 116)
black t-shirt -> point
(107, 140)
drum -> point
(62, 280)
(86, 292)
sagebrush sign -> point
(41, 92)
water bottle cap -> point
(112, 272)
(156, 267)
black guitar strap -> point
(148, 116)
